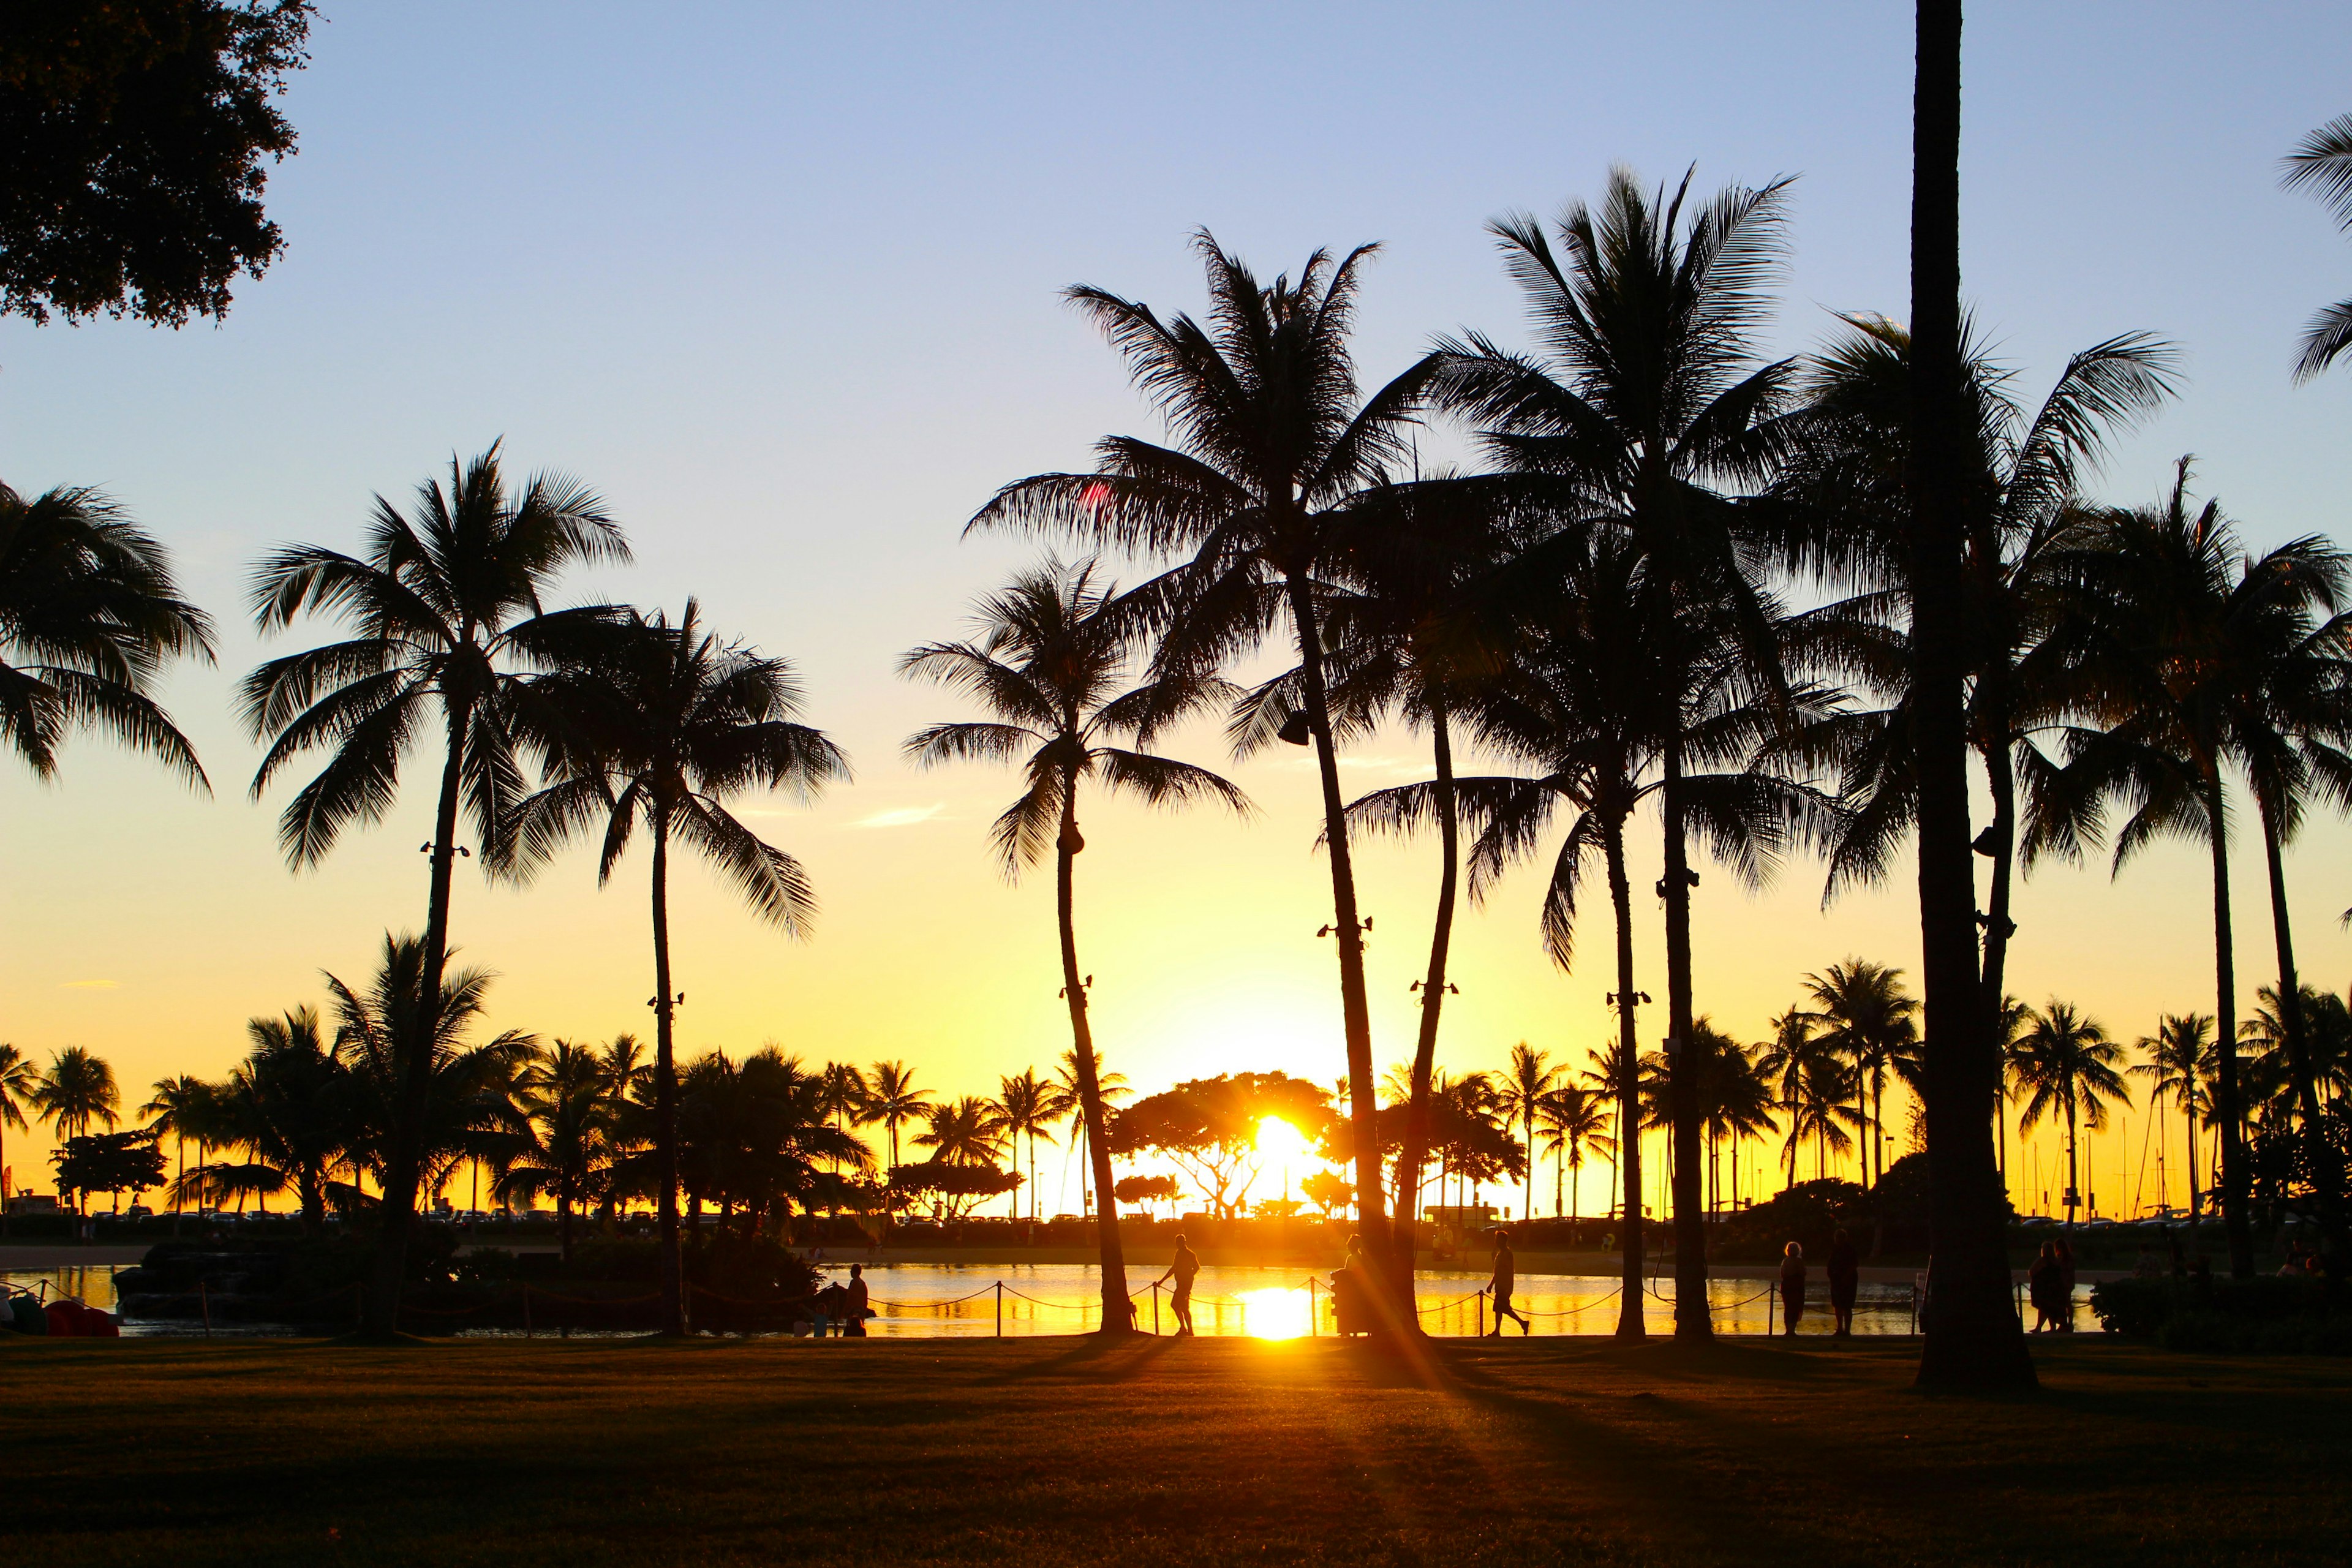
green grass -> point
(1046, 1451)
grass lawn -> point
(1046, 1451)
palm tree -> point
(291, 1107)
(1813, 1083)
(18, 1083)
(444, 602)
(841, 1091)
(1573, 1123)
(77, 1090)
(1868, 1018)
(1049, 665)
(563, 1110)
(1110, 1088)
(89, 616)
(1735, 1103)
(962, 1131)
(892, 1099)
(2186, 658)
(2178, 1055)
(2066, 1063)
(180, 1108)
(2321, 165)
(663, 725)
(1645, 398)
(1526, 1081)
(1273, 439)
(1028, 1105)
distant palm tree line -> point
(1603, 609)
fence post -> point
(1771, 1301)
(1000, 1309)
(526, 1311)
(205, 1300)
(1482, 1314)
(1155, 1307)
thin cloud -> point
(91, 984)
(902, 816)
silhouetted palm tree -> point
(2179, 1054)
(89, 616)
(563, 1110)
(1273, 440)
(1867, 1017)
(1520, 1096)
(660, 726)
(892, 1099)
(1049, 663)
(962, 1131)
(1029, 1106)
(2066, 1064)
(2187, 659)
(1813, 1083)
(1573, 1123)
(176, 1108)
(290, 1107)
(2321, 165)
(18, 1082)
(77, 1090)
(1644, 401)
(445, 603)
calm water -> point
(929, 1299)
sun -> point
(1278, 1140)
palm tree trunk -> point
(396, 1212)
(1391, 1307)
(2228, 1108)
(1114, 1309)
(673, 1267)
(563, 1221)
(2189, 1114)
(1627, 1164)
(2326, 1178)
(1416, 1151)
(2074, 1174)
(1692, 1319)
(1972, 1336)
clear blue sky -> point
(781, 281)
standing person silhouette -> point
(855, 1304)
(1845, 1281)
(1185, 1265)
(1793, 1286)
(1507, 1275)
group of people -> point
(840, 1305)
(1845, 1284)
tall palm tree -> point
(2178, 1055)
(1049, 663)
(1646, 400)
(1110, 1088)
(2321, 165)
(1274, 440)
(1029, 1106)
(89, 614)
(1813, 1083)
(1971, 1337)
(892, 1099)
(2066, 1064)
(1867, 1017)
(445, 603)
(179, 1108)
(1574, 1123)
(661, 725)
(18, 1082)
(291, 1108)
(2187, 659)
(1520, 1097)
(563, 1110)
(76, 1091)
(1735, 1103)
(841, 1091)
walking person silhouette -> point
(1507, 1275)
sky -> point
(782, 283)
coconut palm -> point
(562, 1114)
(76, 1091)
(445, 603)
(892, 1099)
(1813, 1083)
(1028, 1106)
(1049, 663)
(1574, 1123)
(1868, 1018)
(89, 616)
(2066, 1065)
(1109, 1087)
(1646, 400)
(661, 725)
(2321, 165)
(1520, 1097)
(290, 1108)
(2179, 1054)
(1273, 440)
(180, 1109)
(962, 1131)
(1735, 1103)
(18, 1082)
(841, 1090)
(2186, 658)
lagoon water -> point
(933, 1299)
